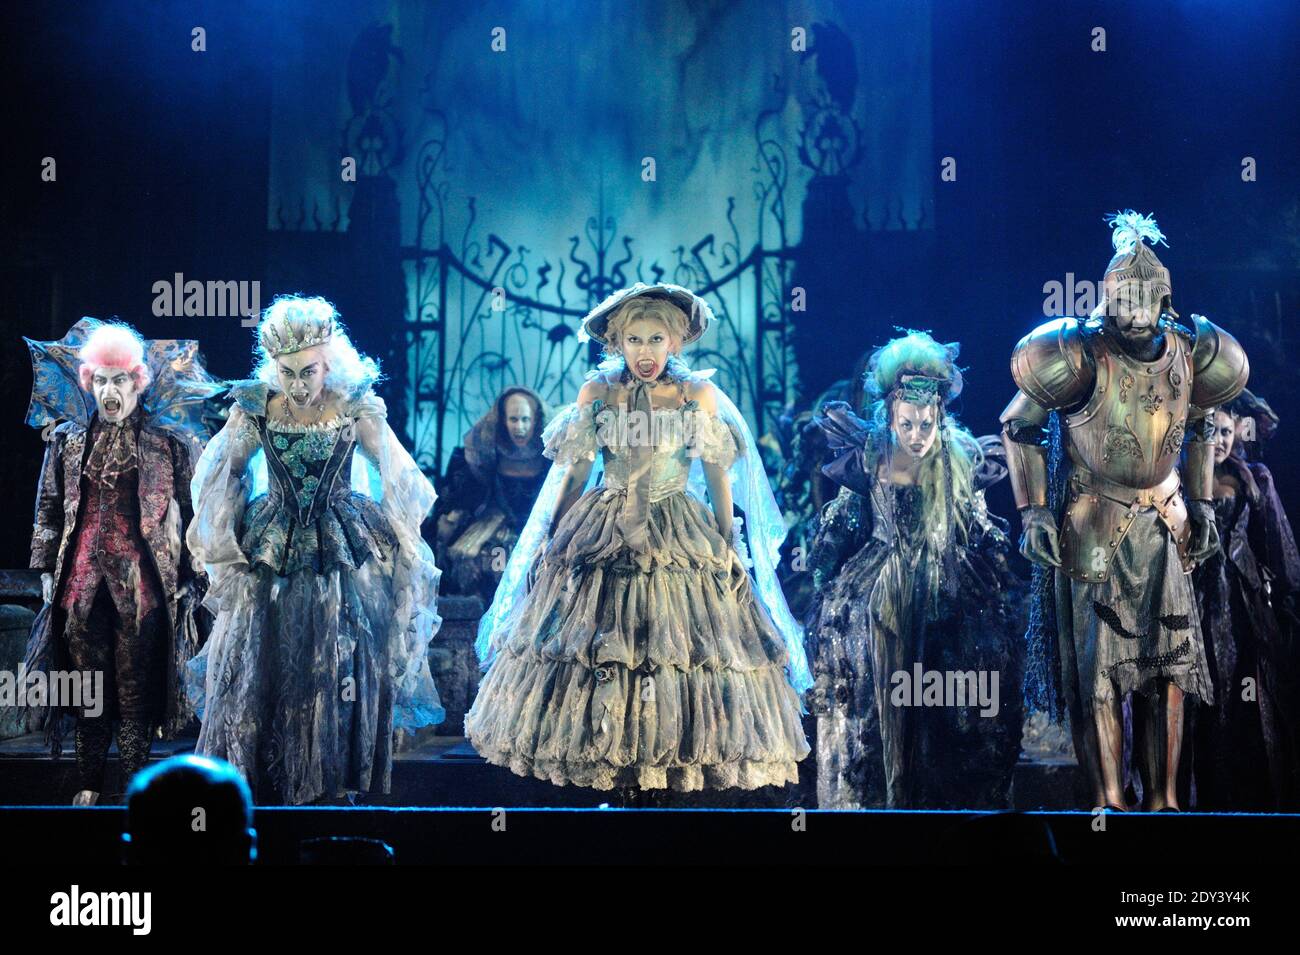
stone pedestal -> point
(15, 626)
(452, 660)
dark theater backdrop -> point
(516, 162)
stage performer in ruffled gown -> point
(308, 515)
(628, 644)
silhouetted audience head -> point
(189, 810)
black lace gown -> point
(1246, 752)
(884, 606)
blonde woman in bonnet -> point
(630, 644)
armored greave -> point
(1158, 743)
(1108, 726)
(1098, 732)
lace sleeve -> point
(406, 498)
(571, 435)
(713, 440)
(368, 405)
(218, 492)
(842, 531)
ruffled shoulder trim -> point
(68, 428)
(367, 405)
(250, 396)
(571, 435)
(713, 439)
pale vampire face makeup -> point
(302, 375)
(915, 428)
(519, 419)
(1225, 435)
(646, 344)
(115, 393)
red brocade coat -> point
(163, 497)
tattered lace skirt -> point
(663, 671)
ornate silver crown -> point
(278, 338)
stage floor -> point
(449, 806)
(441, 771)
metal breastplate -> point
(1124, 445)
(1131, 430)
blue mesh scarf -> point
(1042, 689)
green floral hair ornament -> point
(922, 389)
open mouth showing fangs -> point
(647, 369)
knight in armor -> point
(1110, 446)
(111, 507)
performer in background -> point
(323, 588)
(1120, 393)
(795, 450)
(487, 493)
(910, 572)
(111, 508)
(1247, 745)
(643, 655)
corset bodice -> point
(309, 467)
(310, 515)
(896, 513)
(673, 435)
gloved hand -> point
(1040, 542)
(1205, 533)
(47, 588)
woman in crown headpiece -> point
(628, 645)
(911, 579)
(307, 519)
